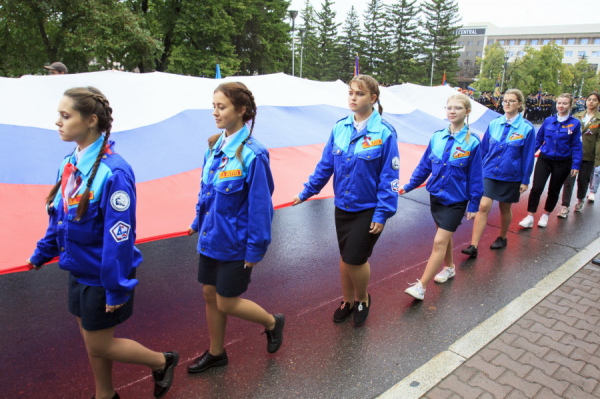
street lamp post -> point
(506, 57)
(432, 62)
(582, 57)
(293, 15)
(302, 30)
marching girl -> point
(559, 140)
(507, 150)
(233, 215)
(590, 129)
(92, 230)
(453, 159)
(362, 156)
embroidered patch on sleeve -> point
(120, 231)
(120, 201)
(396, 186)
(396, 163)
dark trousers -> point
(558, 171)
(583, 181)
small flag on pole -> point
(540, 95)
(218, 74)
(444, 79)
(496, 94)
(356, 69)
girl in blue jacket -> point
(362, 156)
(507, 150)
(233, 216)
(92, 231)
(453, 159)
(559, 140)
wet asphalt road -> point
(43, 354)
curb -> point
(420, 381)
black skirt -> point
(447, 217)
(502, 191)
(355, 242)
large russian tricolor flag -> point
(161, 126)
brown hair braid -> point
(369, 84)
(240, 96)
(88, 101)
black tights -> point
(558, 171)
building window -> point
(480, 42)
(596, 41)
(461, 43)
(470, 43)
(501, 42)
(570, 41)
(522, 42)
(581, 54)
(558, 41)
(460, 64)
(520, 54)
(469, 53)
(512, 42)
(534, 42)
(491, 41)
(595, 53)
(568, 54)
(546, 41)
(479, 53)
(583, 41)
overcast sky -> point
(501, 13)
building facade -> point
(577, 40)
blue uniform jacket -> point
(365, 167)
(508, 151)
(98, 249)
(455, 168)
(234, 210)
(560, 141)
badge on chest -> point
(460, 153)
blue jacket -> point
(455, 168)
(234, 210)
(560, 141)
(508, 152)
(98, 249)
(365, 167)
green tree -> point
(400, 64)
(374, 38)
(439, 37)
(350, 44)
(311, 51)
(328, 62)
(86, 35)
(491, 67)
(582, 70)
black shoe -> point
(114, 397)
(164, 378)
(361, 312)
(342, 312)
(471, 251)
(596, 260)
(499, 243)
(275, 336)
(207, 361)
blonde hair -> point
(466, 102)
(369, 84)
(569, 96)
(520, 97)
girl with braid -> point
(233, 216)
(362, 156)
(92, 231)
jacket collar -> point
(581, 115)
(460, 137)
(516, 123)
(232, 145)
(86, 162)
(374, 124)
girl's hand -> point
(471, 215)
(296, 200)
(191, 231)
(28, 261)
(249, 264)
(376, 228)
(111, 309)
(574, 172)
(402, 191)
(523, 188)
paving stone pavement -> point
(553, 351)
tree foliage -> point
(405, 43)
(350, 45)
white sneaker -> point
(591, 197)
(444, 275)
(527, 222)
(579, 206)
(543, 222)
(564, 212)
(416, 290)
